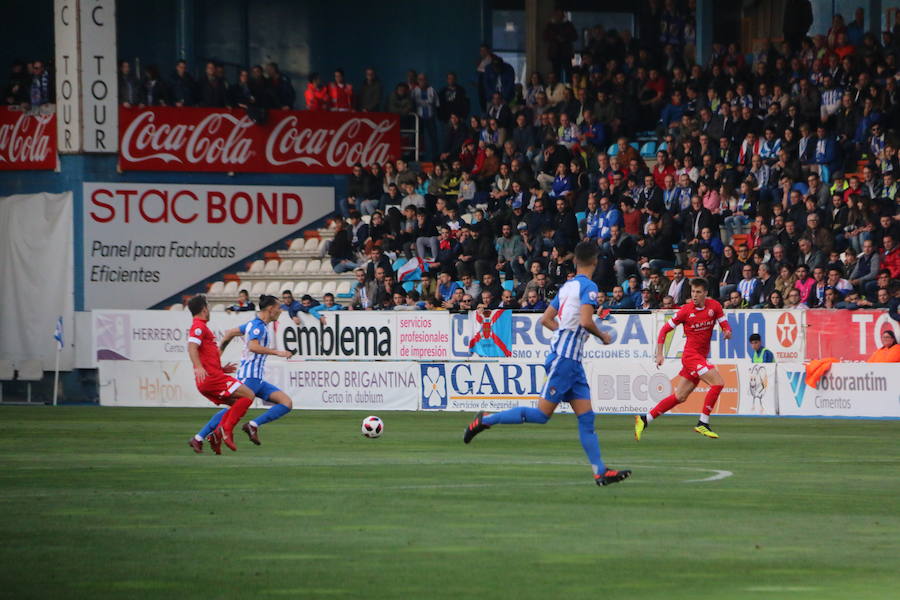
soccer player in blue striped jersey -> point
(571, 317)
(251, 371)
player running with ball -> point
(571, 317)
(699, 318)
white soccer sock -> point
(704, 418)
(198, 438)
(649, 418)
(253, 424)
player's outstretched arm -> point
(587, 321)
(256, 347)
(548, 319)
(228, 336)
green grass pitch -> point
(111, 503)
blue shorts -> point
(262, 389)
(566, 380)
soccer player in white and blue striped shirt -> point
(571, 317)
(252, 369)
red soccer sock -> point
(665, 405)
(234, 414)
(711, 397)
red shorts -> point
(218, 388)
(693, 367)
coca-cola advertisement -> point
(288, 141)
(27, 141)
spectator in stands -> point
(280, 88)
(213, 92)
(445, 288)
(371, 93)
(890, 256)
(377, 259)
(183, 89)
(241, 94)
(533, 302)
(243, 304)
(340, 93)
(679, 288)
(291, 306)
(316, 95)
(341, 249)
(328, 305)
(42, 90)
(129, 87)
(363, 292)
(154, 91)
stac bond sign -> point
(144, 242)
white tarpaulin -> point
(37, 271)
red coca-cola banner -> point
(290, 141)
(27, 141)
(846, 334)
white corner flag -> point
(58, 336)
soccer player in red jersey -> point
(699, 318)
(212, 379)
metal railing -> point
(410, 137)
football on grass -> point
(372, 427)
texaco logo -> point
(786, 329)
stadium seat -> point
(271, 266)
(297, 245)
(663, 146)
(257, 266)
(300, 288)
(176, 307)
(258, 289)
(216, 288)
(409, 286)
(312, 244)
(299, 266)
(739, 238)
(231, 289)
(635, 145)
(313, 266)
(274, 288)
(325, 267)
(613, 150)
(286, 267)
(315, 289)
(508, 285)
(648, 150)
(217, 308)
(579, 216)
(466, 217)
(344, 290)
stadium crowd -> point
(772, 175)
